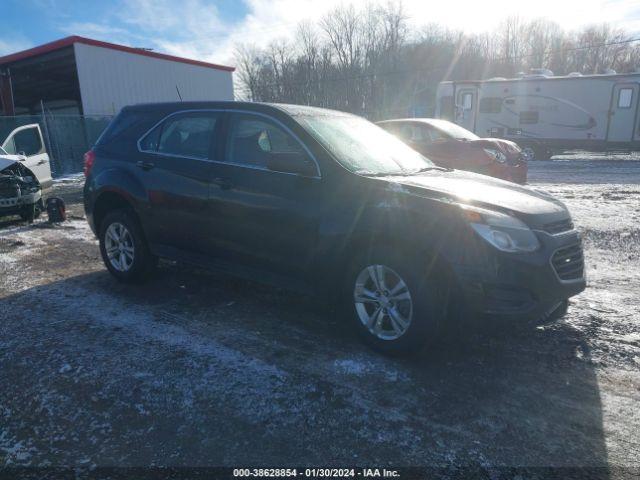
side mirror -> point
(291, 162)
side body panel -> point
(118, 181)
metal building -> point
(77, 75)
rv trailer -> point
(547, 114)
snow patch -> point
(351, 367)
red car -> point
(450, 145)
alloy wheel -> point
(529, 154)
(118, 244)
(383, 302)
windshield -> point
(452, 130)
(3, 151)
(362, 147)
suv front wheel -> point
(123, 247)
(394, 304)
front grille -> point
(515, 159)
(568, 262)
(9, 190)
(560, 226)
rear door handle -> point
(144, 165)
(223, 183)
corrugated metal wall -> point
(111, 79)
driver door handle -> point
(223, 183)
(144, 165)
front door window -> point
(253, 141)
(25, 142)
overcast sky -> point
(209, 29)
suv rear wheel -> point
(123, 247)
(395, 306)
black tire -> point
(559, 312)
(30, 213)
(426, 290)
(542, 153)
(144, 263)
(536, 152)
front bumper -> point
(15, 205)
(525, 286)
(512, 172)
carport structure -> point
(81, 76)
(41, 76)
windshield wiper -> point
(380, 174)
(430, 168)
(402, 173)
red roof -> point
(67, 41)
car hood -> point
(7, 160)
(533, 206)
(505, 145)
(510, 149)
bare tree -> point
(361, 60)
(248, 62)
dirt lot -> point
(199, 369)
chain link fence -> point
(66, 137)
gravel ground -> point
(198, 369)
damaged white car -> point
(24, 172)
(20, 190)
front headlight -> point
(504, 232)
(497, 155)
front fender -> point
(424, 228)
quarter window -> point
(185, 135)
(253, 140)
(625, 98)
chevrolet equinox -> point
(327, 203)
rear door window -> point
(189, 135)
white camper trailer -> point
(548, 114)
